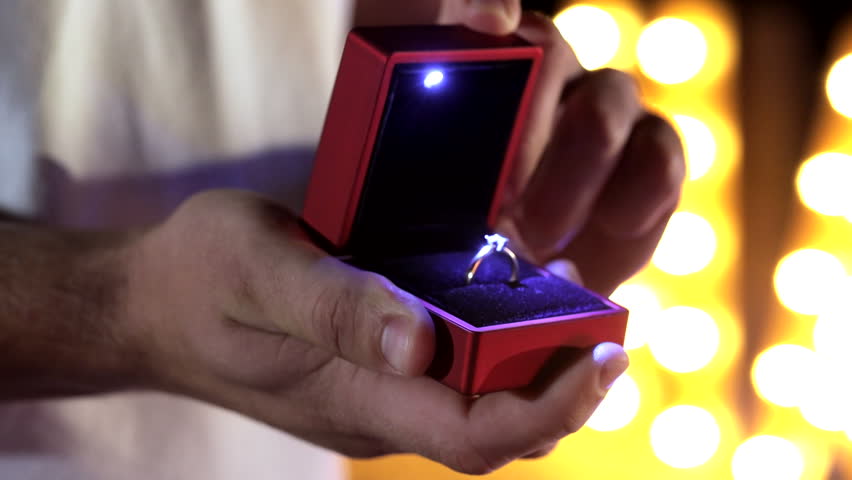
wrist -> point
(63, 330)
(117, 353)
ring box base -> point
(492, 335)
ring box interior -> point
(418, 143)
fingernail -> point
(565, 269)
(496, 6)
(396, 344)
(490, 7)
(613, 361)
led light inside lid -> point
(433, 78)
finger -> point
(603, 273)
(541, 452)
(497, 17)
(565, 269)
(560, 410)
(633, 210)
(360, 316)
(422, 416)
(647, 183)
(592, 130)
(282, 283)
(559, 67)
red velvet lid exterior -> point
(357, 109)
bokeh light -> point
(807, 280)
(671, 50)
(699, 145)
(838, 86)
(618, 408)
(644, 307)
(687, 246)
(685, 436)
(782, 373)
(767, 457)
(592, 33)
(833, 328)
(684, 339)
(823, 183)
(825, 402)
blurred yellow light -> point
(644, 309)
(699, 145)
(687, 246)
(823, 183)
(592, 33)
(684, 339)
(833, 328)
(838, 86)
(782, 373)
(685, 436)
(671, 50)
(764, 457)
(827, 398)
(618, 408)
(807, 280)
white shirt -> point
(137, 104)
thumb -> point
(257, 267)
(497, 17)
(360, 316)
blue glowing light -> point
(434, 77)
(497, 241)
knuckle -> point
(541, 453)
(543, 32)
(346, 312)
(332, 315)
(560, 51)
(375, 293)
(221, 200)
(606, 107)
(556, 43)
(574, 420)
(375, 285)
(613, 80)
(469, 458)
(571, 424)
(599, 124)
(223, 215)
(667, 152)
(548, 33)
(470, 462)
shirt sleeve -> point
(18, 164)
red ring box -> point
(418, 143)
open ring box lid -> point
(419, 139)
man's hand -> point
(597, 176)
(236, 307)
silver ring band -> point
(487, 251)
